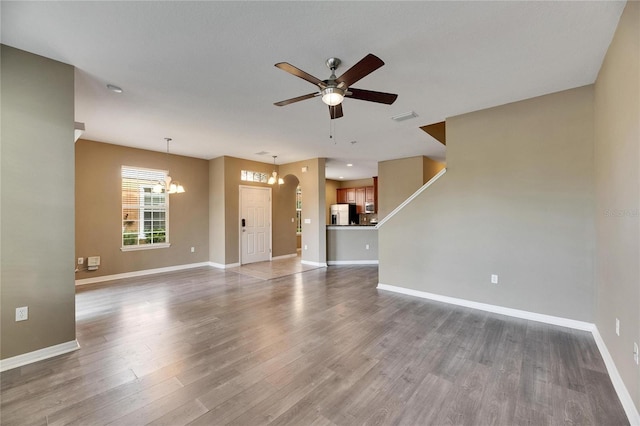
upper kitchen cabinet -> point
(370, 196)
(358, 196)
(346, 196)
(360, 199)
(341, 196)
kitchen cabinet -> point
(360, 196)
(369, 194)
(341, 197)
(351, 195)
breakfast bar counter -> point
(352, 245)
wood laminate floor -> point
(322, 347)
(274, 269)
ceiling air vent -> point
(406, 116)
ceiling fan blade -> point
(298, 99)
(335, 111)
(285, 66)
(371, 96)
(366, 66)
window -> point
(253, 176)
(145, 213)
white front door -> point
(255, 224)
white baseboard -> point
(352, 262)
(39, 355)
(223, 266)
(614, 375)
(308, 262)
(517, 313)
(285, 256)
(140, 273)
(618, 384)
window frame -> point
(143, 208)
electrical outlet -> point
(80, 260)
(617, 326)
(22, 314)
(635, 353)
(193, 249)
(366, 246)
(494, 279)
(305, 247)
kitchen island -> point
(352, 245)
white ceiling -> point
(203, 72)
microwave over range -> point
(369, 207)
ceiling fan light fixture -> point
(332, 96)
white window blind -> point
(145, 214)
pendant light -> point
(169, 185)
(274, 176)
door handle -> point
(244, 223)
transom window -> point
(145, 213)
(250, 176)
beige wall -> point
(37, 202)
(517, 201)
(331, 197)
(312, 184)
(217, 232)
(399, 179)
(284, 218)
(430, 168)
(617, 165)
(99, 209)
(356, 183)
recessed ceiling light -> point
(341, 177)
(354, 142)
(349, 165)
(113, 88)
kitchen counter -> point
(352, 245)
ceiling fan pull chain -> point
(332, 130)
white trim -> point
(141, 273)
(285, 256)
(410, 199)
(517, 313)
(223, 266)
(39, 355)
(145, 246)
(618, 384)
(308, 262)
(352, 262)
(621, 390)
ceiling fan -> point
(334, 89)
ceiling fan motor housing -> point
(333, 63)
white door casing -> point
(255, 224)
